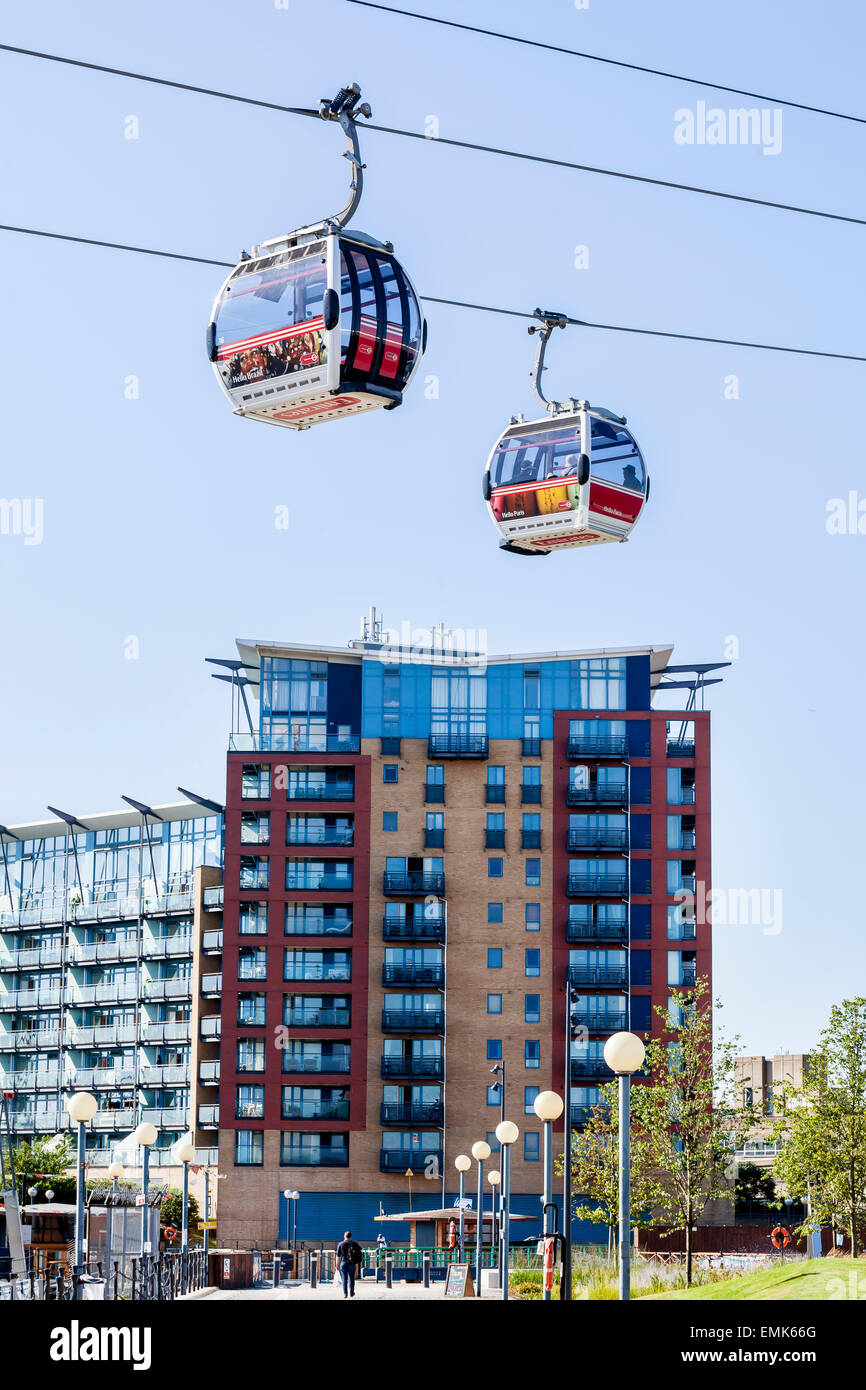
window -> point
(494, 1003)
(250, 1054)
(532, 916)
(249, 1147)
(531, 1054)
(253, 919)
(531, 776)
(256, 828)
(533, 873)
(251, 1010)
(390, 772)
(530, 1093)
(435, 775)
(494, 1049)
(249, 1102)
(494, 868)
(599, 682)
(389, 820)
(532, 963)
(492, 1141)
(494, 957)
(492, 1095)
(254, 871)
(494, 832)
(531, 1140)
(532, 1008)
(255, 782)
(494, 912)
(252, 963)
(530, 837)
(495, 789)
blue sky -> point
(158, 512)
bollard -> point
(314, 1268)
(425, 1263)
(389, 1271)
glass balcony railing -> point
(413, 974)
(598, 746)
(413, 928)
(315, 1110)
(680, 748)
(607, 1022)
(311, 1064)
(412, 1113)
(582, 1067)
(597, 796)
(595, 885)
(321, 791)
(600, 838)
(413, 1020)
(320, 835)
(212, 899)
(208, 1116)
(596, 931)
(212, 942)
(613, 976)
(317, 970)
(413, 881)
(284, 742)
(411, 1066)
(398, 1160)
(300, 1017)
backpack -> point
(352, 1252)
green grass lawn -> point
(813, 1280)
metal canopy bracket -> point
(548, 320)
(345, 109)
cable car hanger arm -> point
(342, 108)
(548, 320)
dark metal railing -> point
(398, 1160)
(494, 792)
(413, 928)
(411, 974)
(413, 1020)
(530, 839)
(615, 976)
(597, 796)
(531, 748)
(494, 839)
(530, 795)
(414, 1066)
(597, 839)
(413, 881)
(321, 791)
(585, 885)
(412, 1113)
(434, 839)
(457, 746)
(434, 792)
(596, 931)
(614, 746)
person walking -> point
(349, 1259)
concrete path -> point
(365, 1292)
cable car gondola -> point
(575, 477)
(321, 323)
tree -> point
(595, 1168)
(43, 1164)
(822, 1126)
(690, 1115)
(171, 1210)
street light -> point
(115, 1171)
(624, 1054)
(185, 1153)
(506, 1133)
(293, 1198)
(462, 1163)
(145, 1135)
(548, 1107)
(480, 1151)
(494, 1178)
(82, 1107)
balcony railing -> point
(413, 928)
(494, 839)
(325, 1157)
(210, 1029)
(31, 1079)
(592, 746)
(315, 1110)
(317, 970)
(410, 974)
(208, 1116)
(320, 835)
(318, 925)
(589, 1067)
(597, 839)
(597, 796)
(494, 793)
(687, 932)
(413, 1020)
(209, 1073)
(122, 1119)
(212, 899)
(413, 881)
(457, 746)
(685, 798)
(29, 1039)
(531, 748)
(160, 1075)
(321, 791)
(434, 792)
(594, 885)
(314, 1064)
(680, 748)
(212, 942)
(413, 1113)
(167, 989)
(688, 976)
(171, 1117)
(604, 1023)
(530, 795)
(596, 931)
(434, 839)
(398, 1160)
(294, 743)
(530, 839)
(687, 840)
(318, 1018)
(432, 1067)
(582, 1114)
(614, 976)
(175, 1031)
(109, 1078)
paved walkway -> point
(365, 1292)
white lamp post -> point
(480, 1151)
(506, 1133)
(548, 1107)
(462, 1163)
(115, 1172)
(82, 1107)
(293, 1198)
(145, 1136)
(494, 1177)
(186, 1155)
(624, 1054)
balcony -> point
(413, 1020)
(108, 1078)
(597, 886)
(530, 795)
(685, 798)
(597, 796)
(398, 1160)
(212, 942)
(31, 958)
(81, 995)
(434, 792)
(613, 976)
(172, 1117)
(592, 746)
(604, 1023)
(680, 748)
(114, 1035)
(208, 1117)
(212, 899)
(597, 839)
(314, 1065)
(596, 931)
(318, 924)
(318, 970)
(29, 1040)
(688, 932)
(413, 975)
(210, 1029)
(582, 1114)
(432, 1068)
(167, 989)
(209, 1073)
(300, 1017)
(121, 1119)
(494, 794)
(413, 1113)
(411, 882)
(688, 976)
(160, 1075)
(29, 999)
(212, 986)
(300, 743)
(589, 1067)
(434, 839)
(315, 1110)
(175, 1031)
(686, 840)
(457, 746)
(168, 947)
(327, 1156)
(390, 744)
(31, 1078)
(321, 791)
(413, 928)
(494, 839)
(531, 748)
(530, 839)
(42, 1121)
(339, 835)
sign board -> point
(140, 1200)
(208, 1225)
(458, 1282)
(227, 1269)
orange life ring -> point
(170, 1233)
(452, 1234)
(780, 1237)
